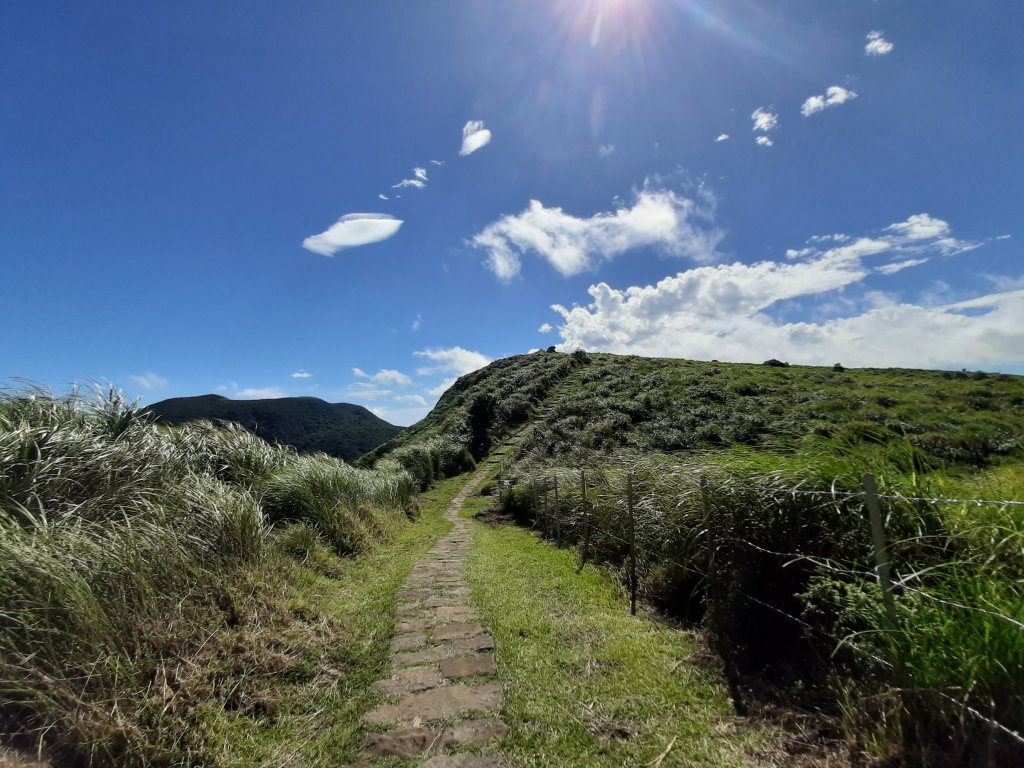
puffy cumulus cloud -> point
(920, 226)
(545, 328)
(474, 136)
(148, 382)
(451, 360)
(834, 96)
(764, 120)
(420, 173)
(383, 376)
(661, 219)
(261, 393)
(722, 137)
(764, 141)
(877, 45)
(351, 231)
(725, 312)
(302, 374)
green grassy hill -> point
(583, 406)
(308, 424)
(750, 517)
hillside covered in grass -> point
(307, 424)
(742, 489)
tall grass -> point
(775, 554)
(108, 523)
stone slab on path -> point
(468, 666)
(438, 703)
(440, 639)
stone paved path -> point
(442, 694)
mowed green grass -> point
(587, 684)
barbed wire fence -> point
(607, 521)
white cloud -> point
(261, 393)
(605, 150)
(834, 96)
(877, 45)
(366, 391)
(352, 230)
(659, 218)
(417, 323)
(437, 162)
(920, 226)
(764, 141)
(724, 311)
(301, 375)
(405, 183)
(148, 381)
(899, 266)
(383, 376)
(545, 328)
(420, 173)
(443, 387)
(414, 399)
(474, 136)
(722, 137)
(764, 120)
(380, 413)
(452, 360)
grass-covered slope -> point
(750, 516)
(588, 405)
(307, 424)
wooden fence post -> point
(585, 514)
(558, 518)
(632, 544)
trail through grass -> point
(587, 684)
(318, 725)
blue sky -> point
(192, 194)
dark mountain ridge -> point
(308, 424)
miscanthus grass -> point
(110, 524)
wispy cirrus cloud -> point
(659, 218)
(383, 376)
(474, 136)
(351, 231)
(407, 183)
(834, 96)
(261, 393)
(732, 311)
(148, 382)
(877, 45)
(302, 374)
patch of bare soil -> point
(495, 517)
